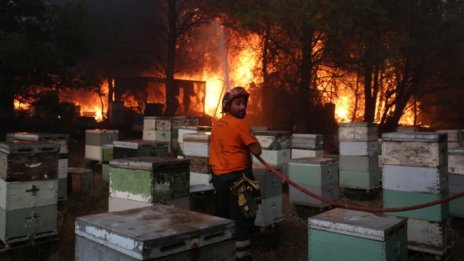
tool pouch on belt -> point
(248, 195)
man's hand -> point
(255, 148)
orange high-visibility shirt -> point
(228, 151)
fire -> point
(21, 106)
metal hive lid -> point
(357, 223)
(414, 136)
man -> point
(230, 147)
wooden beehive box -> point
(139, 148)
(273, 140)
(342, 234)
(56, 138)
(358, 131)
(158, 232)
(318, 175)
(307, 141)
(196, 144)
(149, 179)
(28, 160)
(456, 160)
(157, 123)
(95, 139)
(420, 149)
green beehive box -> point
(342, 234)
(313, 171)
(435, 213)
(24, 224)
(149, 179)
(360, 179)
(107, 152)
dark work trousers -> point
(226, 206)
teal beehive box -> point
(149, 179)
(342, 234)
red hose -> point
(354, 207)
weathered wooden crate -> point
(24, 224)
(27, 194)
(415, 179)
(158, 232)
(139, 148)
(318, 175)
(456, 160)
(156, 123)
(198, 164)
(178, 121)
(269, 211)
(306, 153)
(269, 184)
(307, 141)
(56, 138)
(456, 185)
(358, 131)
(95, 139)
(359, 148)
(364, 180)
(157, 135)
(273, 140)
(149, 179)
(28, 160)
(274, 157)
(435, 213)
(419, 149)
(80, 180)
(359, 163)
(196, 144)
(342, 234)
(120, 204)
(428, 237)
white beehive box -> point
(342, 234)
(357, 131)
(273, 140)
(56, 138)
(157, 123)
(419, 149)
(157, 135)
(121, 204)
(269, 211)
(307, 141)
(415, 179)
(274, 157)
(454, 137)
(95, 139)
(196, 144)
(359, 148)
(158, 232)
(305, 153)
(428, 237)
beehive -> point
(196, 144)
(357, 132)
(28, 160)
(307, 141)
(95, 139)
(158, 232)
(273, 140)
(139, 148)
(318, 175)
(149, 179)
(342, 234)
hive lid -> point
(414, 136)
(28, 147)
(357, 124)
(357, 223)
(155, 231)
(148, 163)
(39, 136)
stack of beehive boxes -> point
(95, 139)
(63, 154)
(455, 138)
(275, 148)
(456, 180)
(318, 175)
(179, 122)
(415, 171)
(182, 130)
(359, 156)
(28, 190)
(307, 145)
(154, 233)
(165, 128)
(143, 181)
(196, 150)
(270, 210)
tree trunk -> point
(171, 105)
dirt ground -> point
(286, 241)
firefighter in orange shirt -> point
(230, 147)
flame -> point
(21, 106)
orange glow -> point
(21, 106)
